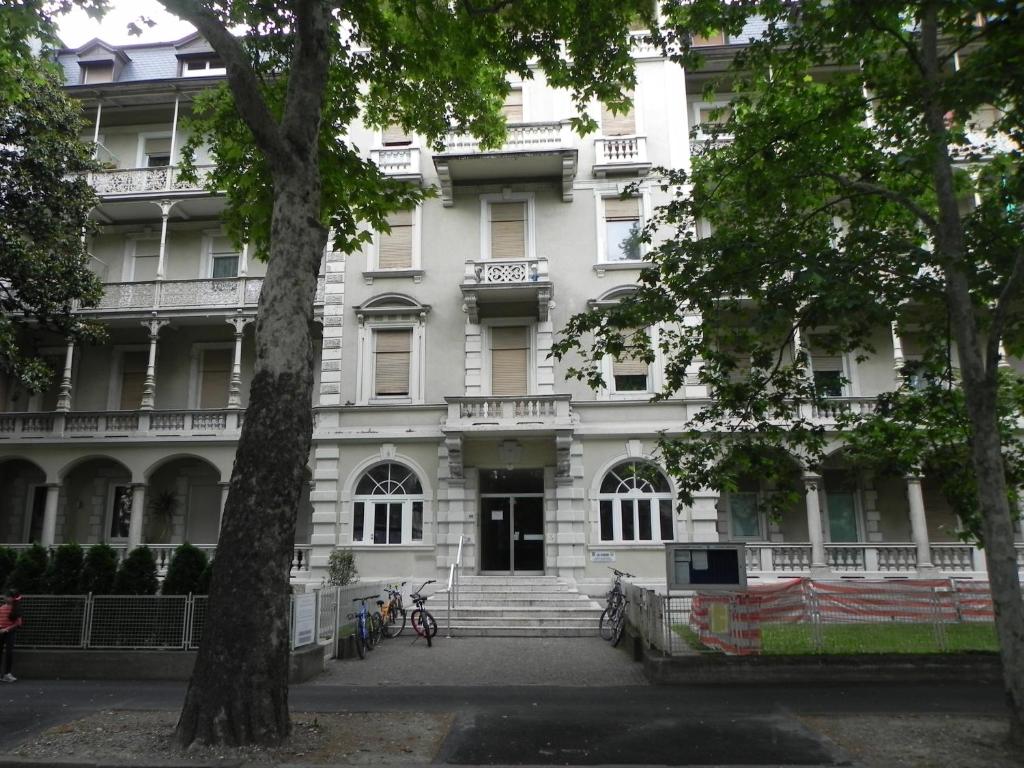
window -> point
(715, 37)
(635, 504)
(146, 260)
(203, 67)
(709, 114)
(629, 373)
(120, 514)
(215, 377)
(508, 230)
(510, 355)
(97, 72)
(392, 350)
(388, 506)
(133, 377)
(512, 109)
(394, 248)
(622, 229)
(395, 136)
(841, 506)
(744, 515)
(620, 124)
(156, 152)
(223, 258)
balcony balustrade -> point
(488, 282)
(186, 294)
(522, 413)
(621, 155)
(861, 558)
(130, 424)
(400, 162)
(143, 181)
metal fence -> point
(802, 616)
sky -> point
(77, 28)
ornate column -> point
(149, 385)
(918, 522)
(64, 397)
(138, 506)
(49, 534)
(174, 135)
(898, 360)
(1004, 361)
(235, 385)
(819, 563)
(165, 212)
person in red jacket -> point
(10, 620)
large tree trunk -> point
(980, 386)
(238, 692)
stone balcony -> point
(621, 155)
(538, 414)
(530, 151)
(105, 425)
(128, 182)
(399, 162)
(184, 295)
(490, 283)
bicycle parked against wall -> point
(422, 622)
(366, 634)
(392, 612)
(613, 618)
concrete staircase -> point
(517, 606)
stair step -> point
(496, 631)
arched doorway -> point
(22, 501)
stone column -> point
(149, 385)
(165, 212)
(224, 488)
(898, 360)
(235, 385)
(1004, 360)
(918, 523)
(64, 398)
(819, 563)
(49, 535)
(138, 507)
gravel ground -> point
(920, 741)
(134, 738)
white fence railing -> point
(533, 409)
(789, 559)
(137, 181)
(620, 150)
(397, 161)
(520, 137)
(186, 294)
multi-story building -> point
(440, 417)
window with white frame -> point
(392, 356)
(387, 506)
(708, 114)
(132, 378)
(145, 260)
(214, 376)
(635, 504)
(507, 229)
(618, 123)
(395, 248)
(512, 109)
(713, 37)
(745, 520)
(622, 222)
(96, 72)
(395, 136)
(224, 257)
(510, 360)
(629, 371)
(391, 342)
(204, 66)
(841, 510)
(156, 151)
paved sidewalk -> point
(488, 661)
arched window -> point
(388, 506)
(635, 503)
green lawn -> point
(782, 639)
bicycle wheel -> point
(429, 625)
(376, 628)
(619, 626)
(360, 649)
(395, 622)
(607, 623)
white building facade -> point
(440, 417)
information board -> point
(303, 620)
(706, 566)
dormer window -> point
(95, 72)
(205, 66)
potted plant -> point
(161, 510)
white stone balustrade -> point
(397, 161)
(521, 137)
(488, 272)
(552, 411)
(620, 150)
(186, 294)
(794, 559)
(139, 181)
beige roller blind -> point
(395, 250)
(391, 361)
(133, 376)
(508, 230)
(160, 146)
(627, 364)
(509, 358)
(512, 109)
(216, 378)
(622, 124)
(715, 38)
(622, 210)
(395, 136)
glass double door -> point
(512, 533)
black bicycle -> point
(422, 622)
(392, 612)
(367, 634)
(613, 618)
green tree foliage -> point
(185, 572)
(866, 173)
(99, 570)
(29, 570)
(136, 575)
(8, 559)
(341, 568)
(64, 572)
(46, 201)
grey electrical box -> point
(706, 566)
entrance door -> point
(512, 533)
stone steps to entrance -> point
(518, 606)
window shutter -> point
(512, 109)
(395, 136)
(133, 376)
(395, 248)
(158, 146)
(509, 359)
(216, 378)
(622, 210)
(147, 255)
(627, 364)
(508, 230)
(716, 37)
(621, 124)
(391, 361)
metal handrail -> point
(453, 583)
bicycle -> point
(613, 618)
(365, 636)
(392, 612)
(422, 622)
